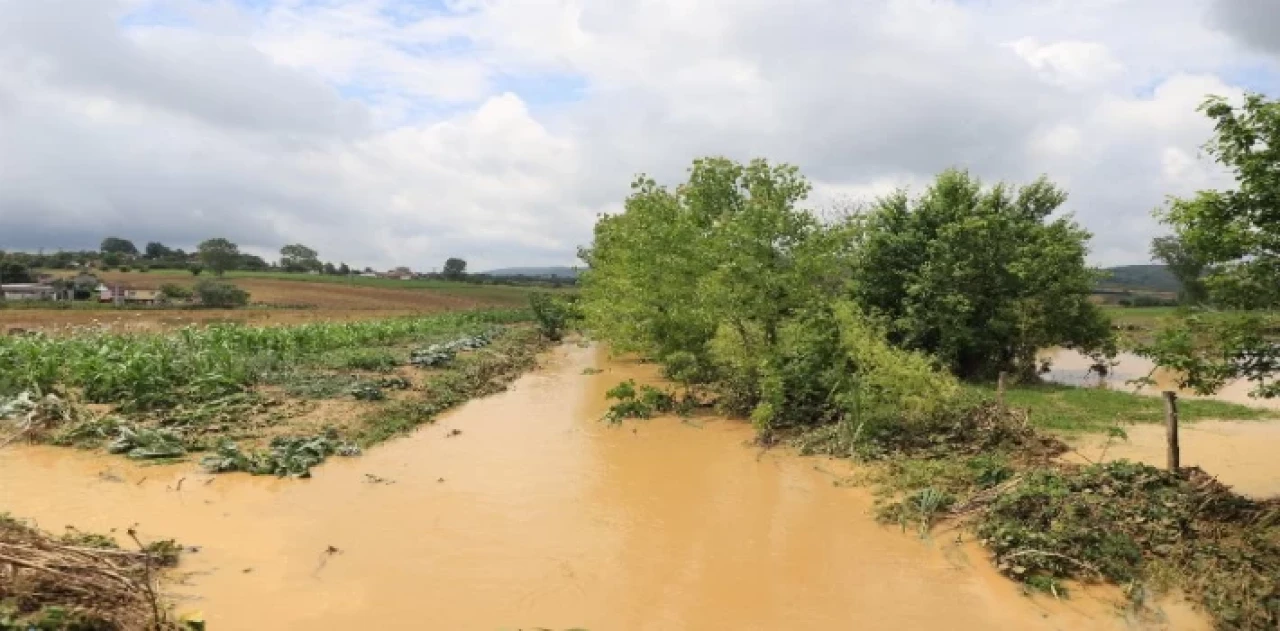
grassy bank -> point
(1060, 408)
(265, 400)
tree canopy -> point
(219, 255)
(299, 258)
(979, 277)
(1236, 233)
(157, 250)
(455, 268)
(116, 245)
(1183, 263)
(727, 281)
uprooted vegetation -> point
(854, 337)
(80, 581)
(263, 400)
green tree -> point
(979, 278)
(12, 271)
(1185, 265)
(116, 245)
(343, 269)
(220, 294)
(329, 269)
(156, 250)
(727, 282)
(219, 255)
(252, 262)
(1235, 234)
(455, 269)
(299, 258)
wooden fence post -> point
(1000, 389)
(1171, 428)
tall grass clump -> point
(155, 370)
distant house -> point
(399, 273)
(128, 294)
(28, 291)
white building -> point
(28, 291)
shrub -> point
(196, 269)
(553, 313)
(213, 293)
(176, 292)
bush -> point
(213, 293)
(176, 292)
(196, 270)
(553, 313)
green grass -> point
(1062, 408)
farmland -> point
(277, 298)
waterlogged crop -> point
(156, 371)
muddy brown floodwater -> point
(539, 515)
(1239, 453)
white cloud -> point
(390, 132)
(1069, 63)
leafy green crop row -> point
(150, 371)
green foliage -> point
(368, 392)
(370, 359)
(216, 294)
(1206, 353)
(140, 443)
(116, 245)
(1183, 262)
(1129, 522)
(219, 255)
(193, 365)
(481, 373)
(1061, 408)
(455, 269)
(1233, 233)
(438, 355)
(980, 277)
(176, 292)
(644, 402)
(292, 456)
(299, 258)
(12, 271)
(554, 313)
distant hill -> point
(540, 272)
(1140, 277)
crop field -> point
(277, 299)
(272, 400)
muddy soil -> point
(539, 515)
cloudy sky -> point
(387, 132)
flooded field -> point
(1072, 368)
(1241, 454)
(539, 515)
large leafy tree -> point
(156, 250)
(980, 277)
(1185, 265)
(455, 268)
(299, 258)
(727, 282)
(219, 255)
(1236, 233)
(116, 245)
